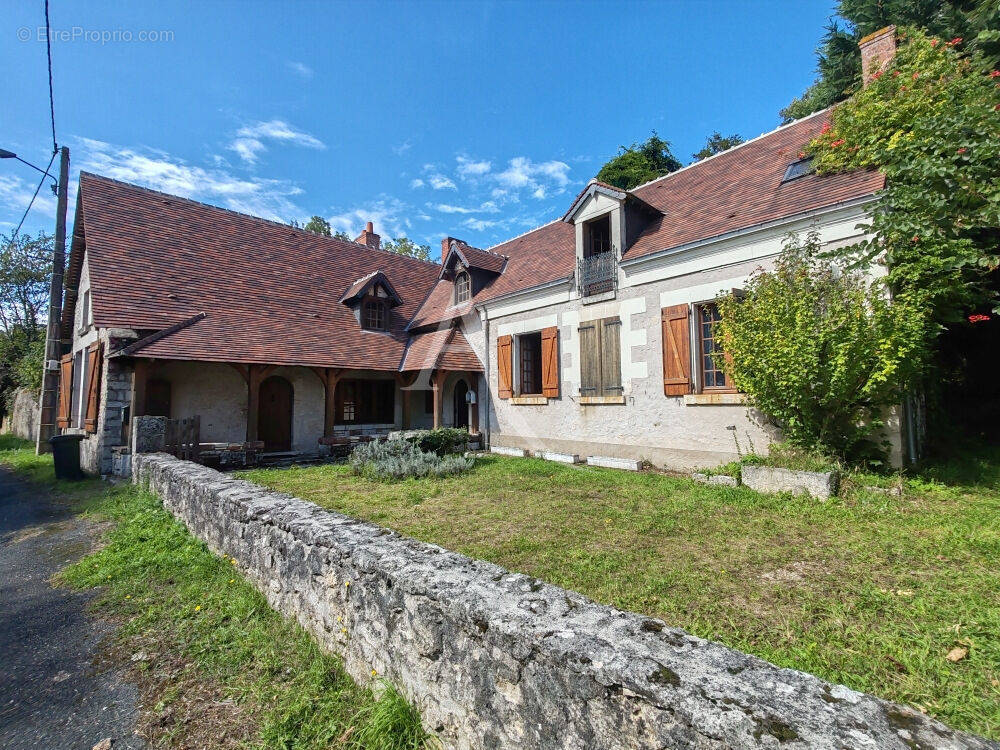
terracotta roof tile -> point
(270, 293)
(446, 348)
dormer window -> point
(374, 314)
(597, 236)
(463, 287)
(797, 169)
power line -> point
(52, 99)
(13, 237)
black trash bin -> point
(66, 456)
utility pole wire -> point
(13, 237)
(52, 99)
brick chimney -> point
(877, 50)
(446, 246)
(368, 237)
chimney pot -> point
(369, 238)
(877, 51)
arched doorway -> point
(274, 417)
(461, 414)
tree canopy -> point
(839, 57)
(25, 264)
(318, 225)
(716, 144)
(406, 246)
(639, 163)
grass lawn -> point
(215, 665)
(870, 590)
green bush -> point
(393, 460)
(443, 441)
(821, 351)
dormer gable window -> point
(798, 168)
(463, 287)
(374, 313)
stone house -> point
(590, 335)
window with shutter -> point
(600, 357)
(65, 391)
(550, 362)
(94, 366)
(504, 367)
(676, 322)
(711, 357)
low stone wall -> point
(23, 418)
(499, 660)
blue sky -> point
(478, 120)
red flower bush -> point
(962, 150)
(838, 142)
(978, 318)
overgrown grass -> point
(871, 590)
(220, 667)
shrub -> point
(821, 351)
(443, 441)
(392, 460)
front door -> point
(274, 424)
(461, 416)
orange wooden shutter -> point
(550, 362)
(504, 366)
(65, 391)
(94, 364)
(676, 350)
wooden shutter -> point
(65, 391)
(504, 366)
(94, 366)
(590, 359)
(550, 362)
(676, 324)
(611, 359)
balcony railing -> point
(597, 274)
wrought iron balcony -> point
(597, 274)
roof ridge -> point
(731, 149)
(272, 222)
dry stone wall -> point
(22, 420)
(495, 659)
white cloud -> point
(445, 208)
(390, 216)
(15, 195)
(480, 224)
(524, 174)
(440, 182)
(403, 147)
(416, 183)
(270, 199)
(250, 139)
(470, 168)
(301, 69)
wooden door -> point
(274, 424)
(461, 407)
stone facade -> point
(494, 659)
(22, 420)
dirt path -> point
(51, 695)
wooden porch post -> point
(403, 382)
(330, 386)
(438, 386)
(140, 374)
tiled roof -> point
(737, 189)
(473, 257)
(270, 293)
(446, 348)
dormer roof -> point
(596, 187)
(472, 257)
(360, 288)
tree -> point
(931, 124)
(639, 163)
(340, 234)
(318, 225)
(839, 58)
(822, 352)
(25, 263)
(406, 246)
(716, 144)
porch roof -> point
(445, 349)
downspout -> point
(486, 375)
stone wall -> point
(22, 420)
(495, 659)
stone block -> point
(724, 479)
(610, 462)
(563, 458)
(819, 484)
(148, 434)
(504, 450)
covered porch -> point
(282, 409)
